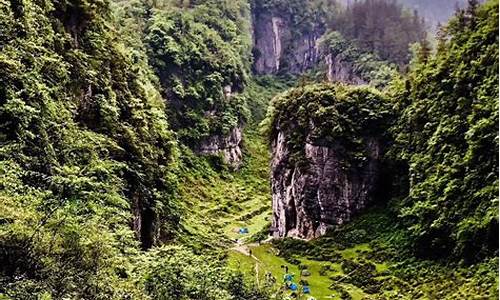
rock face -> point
(341, 71)
(144, 222)
(227, 145)
(278, 48)
(307, 201)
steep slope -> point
(287, 34)
(345, 62)
(448, 135)
(442, 155)
(89, 166)
(327, 147)
(86, 153)
(200, 72)
(130, 163)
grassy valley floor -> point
(363, 260)
(220, 202)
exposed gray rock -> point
(228, 91)
(277, 48)
(341, 71)
(308, 201)
(229, 146)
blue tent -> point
(288, 277)
(243, 230)
(306, 289)
(293, 287)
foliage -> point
(196, 56)
(305, 17)
(385, 268)
(260, 91)
(329, 114)
(367, 66)
(177, 273)
(448, 134)
(382, 27)
(98, 101)
(215, 202)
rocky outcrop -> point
(279, 47)
(309, 200)
(229, 146)
(341, 71)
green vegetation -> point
(197, 54)
(261, 90)
(365, 65)
(327, 114)
(382, 27)
(448, 135)
(85, 148)
(104, 196)
(216, 203)
(177, 273)
(445, 205)
(304, 16)
(366, 259)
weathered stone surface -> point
(227, 145)
(277, 49)
(307, 201)
(341, 71)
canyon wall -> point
(228, 146)
(280, 47)
(327, 159)
(306, 202)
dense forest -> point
(248, 149)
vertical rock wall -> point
(229, 146)
(341, 71)
(307, 201)
(278, 47)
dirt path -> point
(245, 249)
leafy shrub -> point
(323, 114)
(448, 136)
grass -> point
(218, 203)
(269, 261)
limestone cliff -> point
(279, 47)
(339, 70)
(282, 45)
(229, 146)
(342, 61)
(326, 159)
(306, 202)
